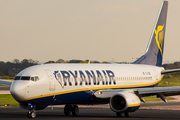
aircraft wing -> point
(170, 71)
(5, 82)
(161, 92)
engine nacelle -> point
(124, 102)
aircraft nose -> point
(18, 90)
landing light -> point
(99, 93)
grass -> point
(169, 82)
(8, 99)
(154, 98)
(6, 77)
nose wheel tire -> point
(31, 114)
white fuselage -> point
(61, 79)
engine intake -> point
(124, 102)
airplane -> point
(122, 86)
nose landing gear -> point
(31, 114)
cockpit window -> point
(36, 78)
(17, 78)
(25, 78)
(32, 78)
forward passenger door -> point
(51, 80)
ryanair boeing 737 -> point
(123, 86)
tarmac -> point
(4, 90)
(150, 111)
(94, 113)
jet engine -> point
(124, 102)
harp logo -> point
(159, 37)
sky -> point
(102, 30)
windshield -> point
(25, 78)
(32, 78)
(17, 78)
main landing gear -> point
(119, 114)
(71, 108)
(31, 114)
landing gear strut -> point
(31, 114)
(127, 114)
(119, 114)
(71, 108)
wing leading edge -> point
(5, 82)
(170, 71)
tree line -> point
(8, 70)
(11, 69)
